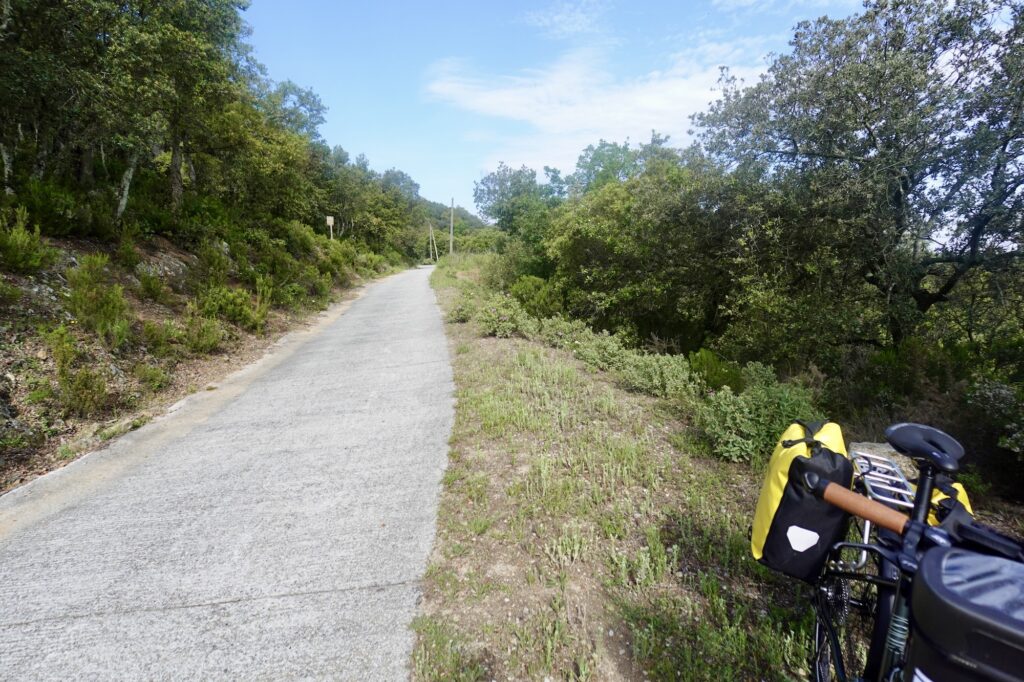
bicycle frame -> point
(897, 565)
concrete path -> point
(275, 528)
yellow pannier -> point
(793, 530)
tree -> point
(603, 163)
(906, 125)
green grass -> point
(441, 654)
(574, 508)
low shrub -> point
(152, 287)
(99, 304)
(369, 263)
(215, 264)
(202, 335)
(57, 209)
(601, 350)
(153, 378)
(63, 347)
(9, 294)
(299, 238)
(159, 337)
(503, 317)
(23, 250)
(562, 332)
(81, 392)
(998, 410)
(538, 296)
(234, 305)
(126, 255)
(716, 372)
(463, 310)
(744, 427)
(664, 376)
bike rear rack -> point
(883, 480)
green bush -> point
(159, 337)
(338, 258)
(998, 412)
(22, 250)
(300, 239)
(126, 255)
(57, 209)
(234, 305)
(664, 376)
(538, 296)
(601, 350)
(744, 427)
(152, 377)
(503, 317)
(716, 372)
(9, 294)
(152, 288)
(463, 310)
(63, 347)
(369, 264)
(202, 335)
(215, 264)
(562, 332)
(99, 304)
(81, 392)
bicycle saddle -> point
(927, 444)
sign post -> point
(330, 225)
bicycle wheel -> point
(830, 609)
(844, 621)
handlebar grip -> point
(858, 505)
(866, 508)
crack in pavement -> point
(377, 587)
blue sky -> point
(446, 90)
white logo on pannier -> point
(921, 677)
(801, 539)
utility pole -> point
(432, 245)
(451, 230)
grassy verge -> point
(578, 538)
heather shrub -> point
(98, 303)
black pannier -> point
(968, 618)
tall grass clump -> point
(98, 303)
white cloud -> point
(568, 19)
(576, 101)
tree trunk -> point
(177, 186)
(5, 155)
(85, 172)
(126, 185)
(40, 168)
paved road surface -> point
(276, 527)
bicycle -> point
(901, 567)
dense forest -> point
(154, 118)
(853, 220)
(134, 135)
